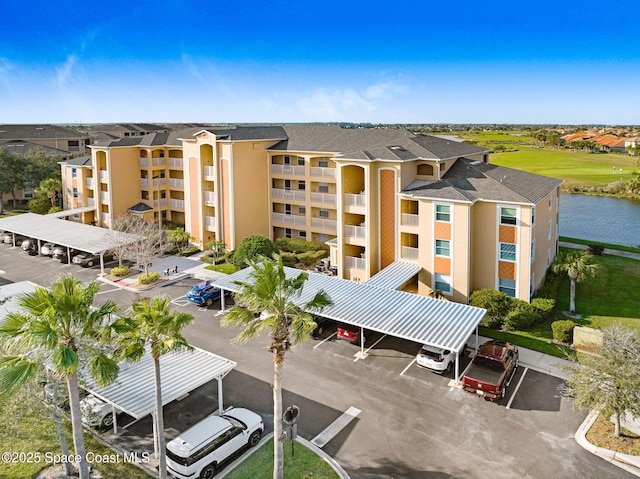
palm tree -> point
(59, 328)
(267, 300)
(180, 237)
(152, 323)
(578, 266)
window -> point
(508, 216)
(74, 145)
(74, 172)
(323, 163)
(507, 286)
(27, 193)
(323, 213)
(287, 233)
(443, 213)
(323, 187)
(533, 250)
(443, 247)
(302, 234)
(300, 161)
(302, 210)
(287, 209)
(425, 169)
(549, 230)
(548, 258)
(287, 160)
(301, 185)
(442, 282)
(287, 184)
(507, 251)
(75, 192)
(533, 216)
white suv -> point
(200, 450)
(436, 359)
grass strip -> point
(617, 247)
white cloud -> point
(328, 104)
(386, 90)
(63, 73)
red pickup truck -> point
(491, 370)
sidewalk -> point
(613, 252)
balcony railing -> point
(323, 172)
(324, 224)
(210, 222)
(287, 170)
(324, 198)
(176, 182)
(91, 201)
(407, 219)
(104, 195)
(173, 203)
(408, 252)
(144, 162)
(158, 161)
(159, 182)
(175, 162)
(351, 231)
(298, 195)
(355, 263)
(104, 174)
(90, 182)
(106, 217)
(354, 200)
(144, 182)
(209, 198)
(163, 202)
(289, 219)
(209, 171)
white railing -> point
(209, 198)
(104, 174)
(354, 200)
(176, 203)
(91, 201)
(90, 182)
(104, 195)
(408, 252)
(325, 198)
(158, 161)
(409, 219)
(351, 231)
(287, 170)
(210, 221)
(355, 263)
(289, 219)
(144, 162)
(321, 223)
(175, 161)
(298, 195)
(163, 202)
(106, 217)
(144, 181)
(176, 182)
(209, 171)
(159, 182)
(323, 172)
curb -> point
(166, 282)
(629, 463)
(541, 369)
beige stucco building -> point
(375, 196)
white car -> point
(47, 249)
(199, 451)
(436, 359)
(96, 412)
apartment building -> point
(375, 196)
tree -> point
(610, 379)
(251, 248)
(119, 236)
(12, 178)
(180, 237)
(578, 266)
(152, 323)
(152, 242)
(49, 187)
(218, 247)
(59, 329)
(268, 300)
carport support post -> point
(102, 264)
(222, 291)
(220, 399)
(476, 339)
(115, 419)
(362, 342)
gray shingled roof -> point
(80, 161)
(38, 132)
(444, 148)
(469, 180)
(21, 147)
(140, 207)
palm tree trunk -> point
(572, 297)
(278, 446)
(76, 425)
(64, 447)
(162, 469)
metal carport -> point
(394, 275)
(79, 236)
(438, 323)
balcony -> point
(104, 196)
(159, 182)
(323, 172)
(324, 224)
(163, 202)
(407, 219)
(173, 203)
(91, 202)
(176, 183)
(105, 217)
(410, 253)
(324, 198)
(209, 173)
(177, 162)
(351, 231)
(297, 195)
(210, 223)
(351, 262)
(297, 220)
(144, 182)
(158, 161)
(287, 170)
(89, 182)
(354, 200)
(144, 162)
(103, 174)
(209, 198)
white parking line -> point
(368, 349)
(407, 368)
(513, 395)
(335, 427)
(325, 340)
(108, 291)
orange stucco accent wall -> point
(508, 234)
(506, 270)
(226, 200)
(442, 265)
(387, 218)
(442, 230)
(195, 204)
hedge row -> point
(306, 259)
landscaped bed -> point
(601, 434)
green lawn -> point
(305, 463)
(573, 167)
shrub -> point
(174, 250)
(563, 330)
(251, 248)
(288, 259)
(189, 251)
(292, 245)
(551, 286)
(120, 270)
(522, 317)
(497, 304)
(311, 257)
(207, 258)
(596, 250)
(148, 278)
(544, 307)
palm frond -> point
(14, 372)
(65, 360)
(103, 369)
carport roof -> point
(183, 371)
(425, 320)
(394, 275)
(79, 236)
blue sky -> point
(422, 61)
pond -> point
(600, 218)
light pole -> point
(157, 178)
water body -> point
(600, 218)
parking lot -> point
(413, 423)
